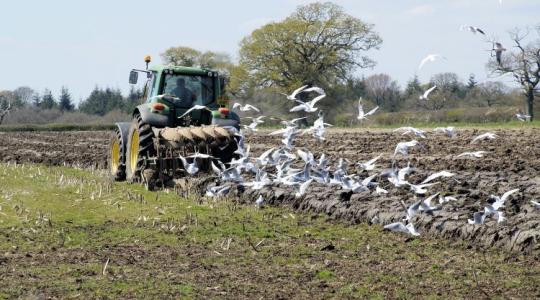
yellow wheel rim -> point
(115, 156)
(134, 150)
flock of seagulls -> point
(300, 168)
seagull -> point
(292, 123)
(246, 107)
(217, 191)
(437, 175)
(421, 188)
(472, 29)
(380, 190)
(478, 218)
(307, 106)
(475, 154)
(498, 48)
(296, 92)
(370, 164)
(399, 179)
(403, 147)
(450, 131)
(261, 180)
(259, 201)
(415, 131)
(303, 188)
(499, 201)
(400, 227)
(446, 199)
(536, 204)
(523, 117)
(485, 136)
(195, 107)
(191, 168)
(426, 93)
(431, 58)
(253, 125)
(361, 114)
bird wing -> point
(248, 106)
(372, 111)
(398, 226)
(373, 160)
(507, 194)
(316, 99)
(236, 105)
(316, 89)
(480, 30)
(196, 107)
(297, 91)
(423, 62)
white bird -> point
(450, 131)
(296, 92)
(536, 204)
(485, 136)
(261, 180)
(361, 114)
(437, 175)
(421, 188)
(246, 107)
(195, 107)
(415, 131)
(430, 58)
(400, 227)
(475, 154)
(472, 29)
(370, 164)
(259, 202)
(291, 123)
(426, 206)
(191, 168)
(307, 106)
(498, 48)
(499, 201)
(302, 189)
(253, 125)
(403, 147)
(478, 218)
(446, 199)
(426, 93)
(217, 191)
(523, 117)
(380, 190)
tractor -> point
(164, 134)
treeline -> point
(102, 105)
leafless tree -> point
(523, 64)
(383, 91)
(4, 110)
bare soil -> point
(512, 161)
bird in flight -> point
(426, 93)
(296, 92)
(307, 106)
(430, 58)
(246, 107)
(499, 49)
(472, 29)
(195, 107)
(361, 114)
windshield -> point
(191, 89)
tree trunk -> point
(530, 102)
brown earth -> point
(512, 161)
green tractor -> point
(163, 128)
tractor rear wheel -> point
(139, 146)
(117, 157)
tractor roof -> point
(180, 69)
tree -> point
(319, 44)
(383, 91)
(23, 96)
(491, 93)
(48, 101)
(36, 100)
(102, 101)
(471, 83)
(523, 64)
(65, 103)
(133, 99)
(414, 88)
(181, 56)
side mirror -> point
(133, 76)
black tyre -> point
(117, 157)
(139, 146)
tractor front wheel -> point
(117, 157)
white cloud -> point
(420, 10)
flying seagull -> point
(485, 136)
(426, 93)
(498, 48)
(400, 227)
(246, 107)
(472, 29)
(296, 92)
(430, 58)
(523, 117)
(195, 107)
(536, 204)
(315, 89)
(361, 114)
(307, 106)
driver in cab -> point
(187, 97)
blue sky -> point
(47, 44)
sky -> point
(81, 45)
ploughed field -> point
(512, 161)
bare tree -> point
(383, 91)
(523, 64)
(491, 92)
(4, 110)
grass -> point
(59, 227)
